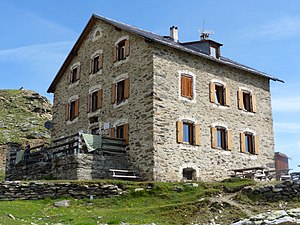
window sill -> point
(117, 105)
(219, 106)
(188, 146)
(73, 84)
(191, 100)
(117, 63)
(247, 112)
(72, 121)
(95, 113)
(99, 72)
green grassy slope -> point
(22, 116)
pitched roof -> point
(164, 40)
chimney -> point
(174, 33)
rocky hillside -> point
(22, 116)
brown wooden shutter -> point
(240, 99)
(254, 108)
(127, 49)
(214, 137)
(88, 103)
(70, 76)
(183, 88)
(256, 145)
(126, 134)
(229, 139)
(112, 132)
(92, 66)
(227, 96)
(67, 112)
(100, 92)
(212, 92)
(197, 134)
(78, 72)
(179, 131)
(190, 87)
(76, 107)
(113, 93)
(242, 142)
(115, 53)
(101, 61)
(126, 88)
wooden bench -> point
(124, 174)
(250, 172)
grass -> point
(2, 175)
(160, 203)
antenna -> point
(204, 34)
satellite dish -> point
(48, 125)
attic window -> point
(214, 51)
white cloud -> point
(287, 127)
(36, 52)
(286, 104)
(276, 29)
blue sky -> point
(36, 37)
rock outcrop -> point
(22, 117)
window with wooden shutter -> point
(229, 140)
(212, 92)
(227, 96)
(76, 107)
(126, 88)
(94, 101)
(88, 103)
(115, 53)
(214, 137)
(127, 49)
(179, 131)
(113, 93)
(67, 112)
(197, 134)
(256, 144)
(242, 142)
(112, 132)
(126, 133)
(100, 92)
(254, 107)
(187, 86)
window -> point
(188, 136)
(121, 50)
(219, 94)
(74, 75)
(186, 86)
(95, 131)
(214, 51)
(221, 138)
(96, 63)
(94, 101)
(246, 101)
(120, 91)
(189, 174)
(249, 143)
(188, 133)
(72, 110)
(121, 131)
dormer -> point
(205, 46)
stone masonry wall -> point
(16, 190)
(137, 111)
(3, 150)
(170, 157)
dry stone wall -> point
(3, 150)
(17, 190)
(170, 157)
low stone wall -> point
(282, 191)
(17, 190)
(3, 150)
(71, 167)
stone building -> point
(184, 110)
